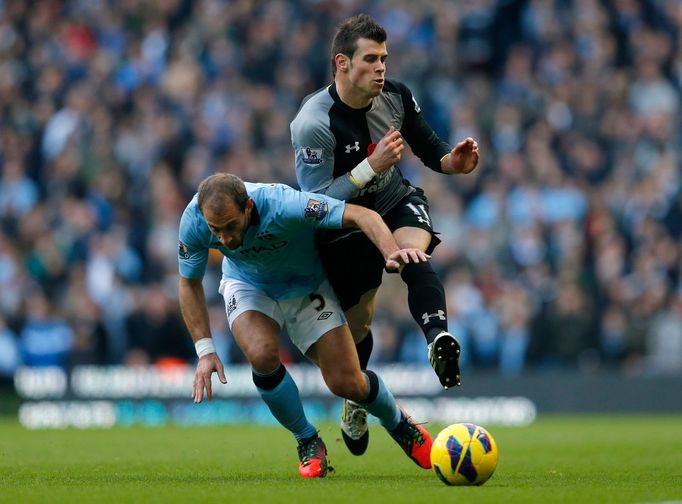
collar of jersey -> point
(252, 228)
(337, 99)
(255, 216)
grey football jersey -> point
(330, 139)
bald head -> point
(219, 191)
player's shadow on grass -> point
(231, 478)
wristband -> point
(355, 182)
(362, 173)
(204, 346)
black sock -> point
(270, 380)
(426, 299)
(364, 349)
(373, 382)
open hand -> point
(464, 157)
(405, 256)
(207, 365)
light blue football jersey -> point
(278, 254)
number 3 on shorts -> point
(317, 297)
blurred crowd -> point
(562, 251)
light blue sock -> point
(381, 402)
(285, 405)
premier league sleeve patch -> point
(315, 209)
(183, 251)
(311, 156)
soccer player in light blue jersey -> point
(272, 278)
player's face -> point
(230, 224)
(367, 68)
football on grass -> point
(464, 454)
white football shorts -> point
(306, 318)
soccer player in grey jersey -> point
(347, 140)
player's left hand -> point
(463, 158)
(405, 256)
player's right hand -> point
(401, 257)
(387, 152)
(207, 365)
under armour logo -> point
(350, 147)
(427, 316)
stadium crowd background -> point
(562, 251)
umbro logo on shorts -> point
(325, 315)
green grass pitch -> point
(581, 459)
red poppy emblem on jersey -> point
(370, 148)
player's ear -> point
(249, 204)
(342, 62)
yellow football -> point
(464, 454)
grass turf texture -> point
(557, 459)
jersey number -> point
(421, 213)
(317, 297)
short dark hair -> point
(216, 191)
(346, 39)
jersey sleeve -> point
(423, 141)
(314, 144)
(314, 209)
(192, 252)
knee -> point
(413, 271)
(360, 329)
(266, 364)
(353, 387)
(264, 359)
(258, 338)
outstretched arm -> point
(463, 158)
(376, 230)
(195, 315)
(425, 143)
